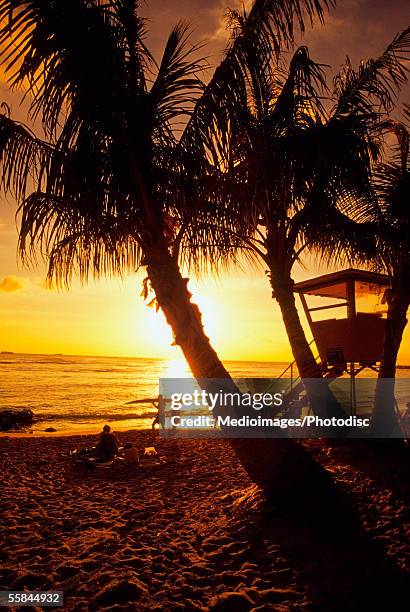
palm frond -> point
(376, 82)
(177, 84)
(269, 25)
(85, 257)
(300, 98)
(72, 243)
(71, 54)
(24, 159)
(391, 183)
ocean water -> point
(80, 393)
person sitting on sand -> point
(131, 454)
(107, 447)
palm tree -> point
(392, 189)
(96, 193)
(290, 167)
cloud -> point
(11, 283)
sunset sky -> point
(109, 317)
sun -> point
(159, 332)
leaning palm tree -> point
(392, 189)
(291, 166)
(96, 192)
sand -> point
(195, 534)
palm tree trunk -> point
(302, 353)
(279, 466)
(321, 399)
(385, 422)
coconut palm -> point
(292, 167)
(392, 188)
(96, 190)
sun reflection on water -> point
(176, 368)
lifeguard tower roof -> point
(335, 285)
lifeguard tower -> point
(353, 339)
(350, 341)
(347, 343)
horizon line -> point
(7, 352)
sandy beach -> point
(195, 534)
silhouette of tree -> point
(96, 195)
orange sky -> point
(109, 317)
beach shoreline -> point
(193, 533)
